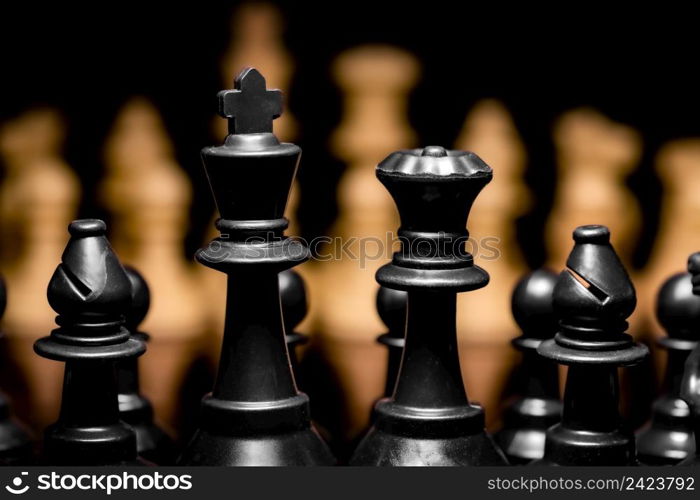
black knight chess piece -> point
(294, 309)
(690, 384)
(668, 438)
(254, 415)
(429, 420)
(91, 293)
(593, 298)
(391, 306)
(153, 444)
(536, 406)
(16, 446)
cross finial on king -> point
(250, 107)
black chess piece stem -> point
(429, 420)
(16, 447)
(391, 306)
(592, 298)
(668, 438)
(153, 444)
(536, 406)
(91, 293)
(254, 415)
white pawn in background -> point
(148, 196)
(485, 324)
(375, 81)
(38, 198)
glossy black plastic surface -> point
(668, 438)
(537, 406)
(429, 420)
(91, 293)
(254, 415)
(593, 297)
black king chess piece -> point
(668, 438)
(294, 309)
(429, 420)
(391, 306)
(16, 446)
(254, 415)
(593, 298)
(91, 293)
(690, 384)
(536, 406)
(153, 444)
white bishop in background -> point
(149, 196)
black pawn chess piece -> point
(593, 298)
(668, 438)
(254, 415)
(536, 406)
(153, 444)
(91, 293)
(690, 384)
(294, 309)
(391, 306)
(16, 446)
(429, 420)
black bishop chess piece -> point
(16, 446)
(536, 406)
(254, 415)
(668, 438)
(690, 384)
(294, 309)
(429, 420)
(593, 298)
(391, 306)
(153, 443)
(91, 293)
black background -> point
(637, 66)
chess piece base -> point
(275, 433)
(76, 446)
(669, 439)
(526, 422)
(572, 447)
(401, 436)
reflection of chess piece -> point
(38, 199)
(149, 196)
(490, 132)
(678, 167)
(375, 81)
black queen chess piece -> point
(153, 443)
(593, 298)
(536, 406)
(254, 415)
(16, 446)
(91, 293)
(429, 420)
(668, 438)
(690, 384)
